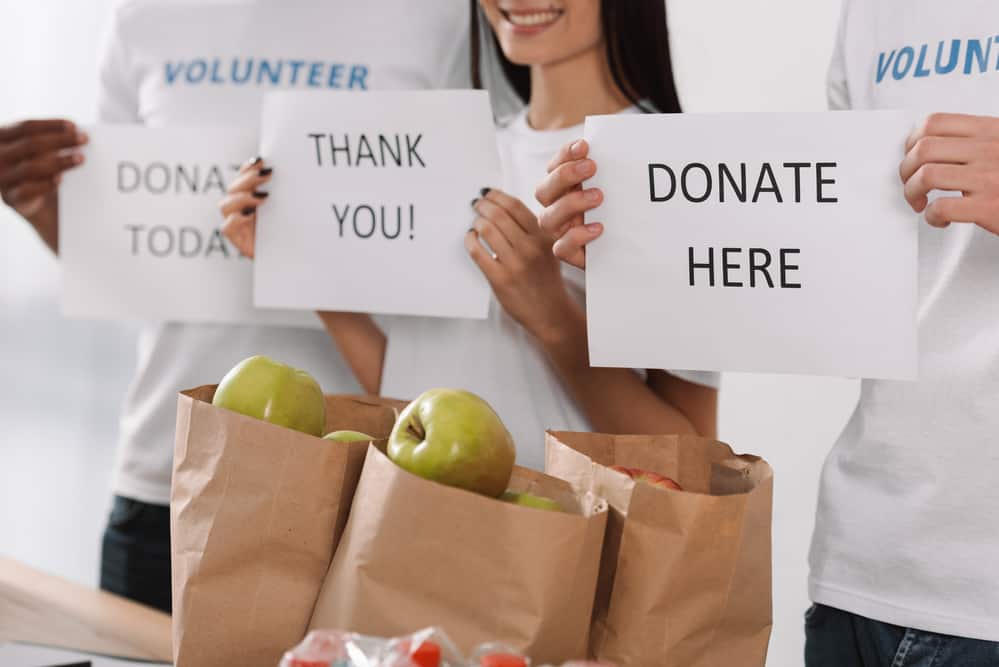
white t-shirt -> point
(209, 62)
(907, 531)
(497, 358)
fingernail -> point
(82, 137)
(260, 195)
(474, 202)
(594, 227)
(576, 150)
(484, 191)
(77, 158)
(592, 195)
(471, 229)
(584, 168)
(266, 171)
(256, 160)
(248, 210)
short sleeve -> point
(837, 89)
(118, 83)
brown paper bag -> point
(255, 513)
(685, 578)
(416, 553)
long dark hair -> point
(637, 45)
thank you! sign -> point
(369, 201)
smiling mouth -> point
(532, 18)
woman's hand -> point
(565, 201)
(239, 207)
(959, 153)
(521, 269)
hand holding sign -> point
(958, 153)
(565, 201)
(33, 156)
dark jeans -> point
(135, 555)
(835, 638)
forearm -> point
(361, 343)
(615, 400)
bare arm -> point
(617, 400)
(361, 343)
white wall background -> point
(63, 381)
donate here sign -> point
(753, 242)
(369, 202)
(139, 229)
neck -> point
(564, 93)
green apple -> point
(348, 436)
(265, 389)
(453, 437)
(531, 500)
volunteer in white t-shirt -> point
(209, 62)
(529, 358)
(904, 556)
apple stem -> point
(416, 432)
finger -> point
(26, 128)
(574, 150)
(515, 208)
(937, 177)
(571, 248)
(244, 203)
(943, 150)
(29, 190)
(250, 177)
(567, 212)
(563, 179)
(36, 145)
(485, 260)
(515, 235)
(241, 230)
(954, 125)
(41, 168)
(945, 210)
(494, 237)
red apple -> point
(653, 478)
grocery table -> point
(40, 608)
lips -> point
(533, 18)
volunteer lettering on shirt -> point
(697, 183)
(955, 56)
(371, 220)
(241, 71)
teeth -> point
(537, 18)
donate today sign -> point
(753, 242)
(369, 202)
(139, 229)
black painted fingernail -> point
(256, 160)
(484, 191)
(474, 202)
(266, 171)
(248, 210)
(260, 195)
(471, 229)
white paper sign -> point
(753, 242)
(139, 229)
(369, 201)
